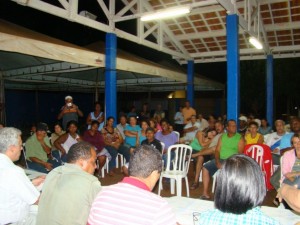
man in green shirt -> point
(38, 151)
(229, 143)
(69, 190)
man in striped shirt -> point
(131, 201)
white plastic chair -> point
(106, 166)
(180, 168)
(122, 161)
(178, 135)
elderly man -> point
(69, 112)
(273, 140)
(18, 194)
(243, 125)
(229, 143)
(69, 190)
(131, 201)
(38, 151)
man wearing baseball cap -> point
(38, 151)
(243, 125)
(69, 112)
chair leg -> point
(172, 183)
(102, 171)
(179, 187)
(214, 184)
(160, 185)
(187, 187)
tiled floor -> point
(108, 180)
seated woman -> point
(152, 124)
(113, 140)
(142, 132)
(264, 127)
(239, 192)
(202, 140)
(95, 138)
(291, 163)
(65, 141)
(58, 131)
(252, 136)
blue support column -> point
(110, 75)
(190, 82)
(233, 67)
(269, 88)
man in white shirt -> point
(273, 140)
(17, 192)
(121, 126)
(190, 130)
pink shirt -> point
(288, 161)
(130, 202)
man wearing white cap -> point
(69, 112)
(243, 125)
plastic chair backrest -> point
(257, 153)
(162, 147)
(178, 135)
(181, 161)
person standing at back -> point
(96, 115)
(188, 112)
(69, 112)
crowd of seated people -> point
(214, 141)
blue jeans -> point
(125, 151)
(165, 159)
(38, 167)
(114, 153)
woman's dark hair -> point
(57, 124)
(70, 123)
(164, 120)
(94, 122)
(253, 123)
(266, 121)
(109, 118)
(240, 185)
(208, 130)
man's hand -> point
(48, 166)
(37, 181)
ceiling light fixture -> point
(256, 43)
(163, 14)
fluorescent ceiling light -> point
(166, 13)
(255, 43)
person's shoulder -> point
(261, 218)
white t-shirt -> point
(178, 118)
(273, 140)
(17, 193)
(191, 135)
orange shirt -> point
(187, 113)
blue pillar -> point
(110, 76)
(233, 67)
(190, 82)
(269, 88)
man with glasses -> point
(18, 194)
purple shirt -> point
(168, 140)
